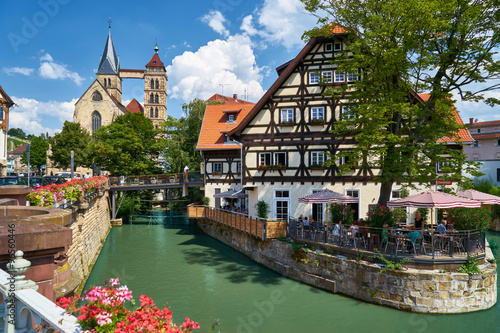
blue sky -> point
(51, 49)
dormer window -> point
(231, 117)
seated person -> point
(305, 222)
(337, 229)
(385, 233)
(413, 235)
(441, 228)
(354, 229)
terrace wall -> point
(413, 290)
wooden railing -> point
(256, 227)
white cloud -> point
(230, 62)
(216, 21)
(480, 110)
(51, 70)
(18, 70)
(32, 115)
(280, 22)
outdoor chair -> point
(418, 244)
(300, 230)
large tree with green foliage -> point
(72, 137)
(183, 136)
(17, 132)
(402, 48)
(38, 152)
(129, 146)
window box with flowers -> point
(317, 166)
(317, 121)
(287, 123)
(216, 173)
(271, 167)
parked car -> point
(47, 180)
(35, 182)
(67, 176)
(13, 180)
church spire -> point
(109, 63)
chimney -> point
(235, 96)
(471, 121)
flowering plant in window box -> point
(317, 121)
(216, 173)
(287, 122)
(317, 166)
(271, 166)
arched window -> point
(96, 96)
(157, 85)
(156, 112)
(156, 99)
(151, 113)
(96, 121)
(105, 83)
(109, 82)
(151, 98)
(152, 84)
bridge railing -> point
(23, 309)
(254, 226)
(176, 178)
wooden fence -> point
(260, 228)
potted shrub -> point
(262, 209)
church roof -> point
(155, 61)
(134, 107)
(4, 95)
(109, 63)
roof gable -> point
(134, 107)
(155, 61)
(227, 100)
(4, 95)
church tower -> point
(108, 72)
(155, 90)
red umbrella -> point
(485, 198)
(434, 199)
(328, 196)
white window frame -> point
(317, 110)
(238, 166)
(327, 76)
(231, 118)
(313, 78)
(339, 76)
(323, 217)
(328, 47)
(317, 156)
(287, 114)
(262, 159)
(276, 199)
(217, 166)
(337, 46)
(352, 77)
(347, 112)
(275, 158)
(443, 163)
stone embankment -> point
(411, 289)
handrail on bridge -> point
(263, 229)
(169, 178)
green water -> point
(204, 279)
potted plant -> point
(287, 122)
(317, 121)
(216, 173)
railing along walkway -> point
(431, 245)
(256, 227)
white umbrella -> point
(328, 196)
(485, 198)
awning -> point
(231, 194)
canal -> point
(197, 276)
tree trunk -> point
(385, 193)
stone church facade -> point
(101, 103)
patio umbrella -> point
(328, 196)
(485, 198)
(434, 199)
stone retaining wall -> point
(90, 226)
(409, 290)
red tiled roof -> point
(214, 125)
(19, 150)
(227, 100)
(134, 107)
(337, 29)
(486, 123)
(155, 61)
(486, 136)
(463, 133)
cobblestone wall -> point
(409, 290)
(90, 225)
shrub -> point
(379, 216)
(341, 212)
(262, 209)
(400, 215)
(469, 218)
(206, 201)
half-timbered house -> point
(221, 156)
(287, 133)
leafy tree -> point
(129, 146)
(72, 137)
(38, 152)
(401, 48)
(183, 136)
(17, 132)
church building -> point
(102, 102)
